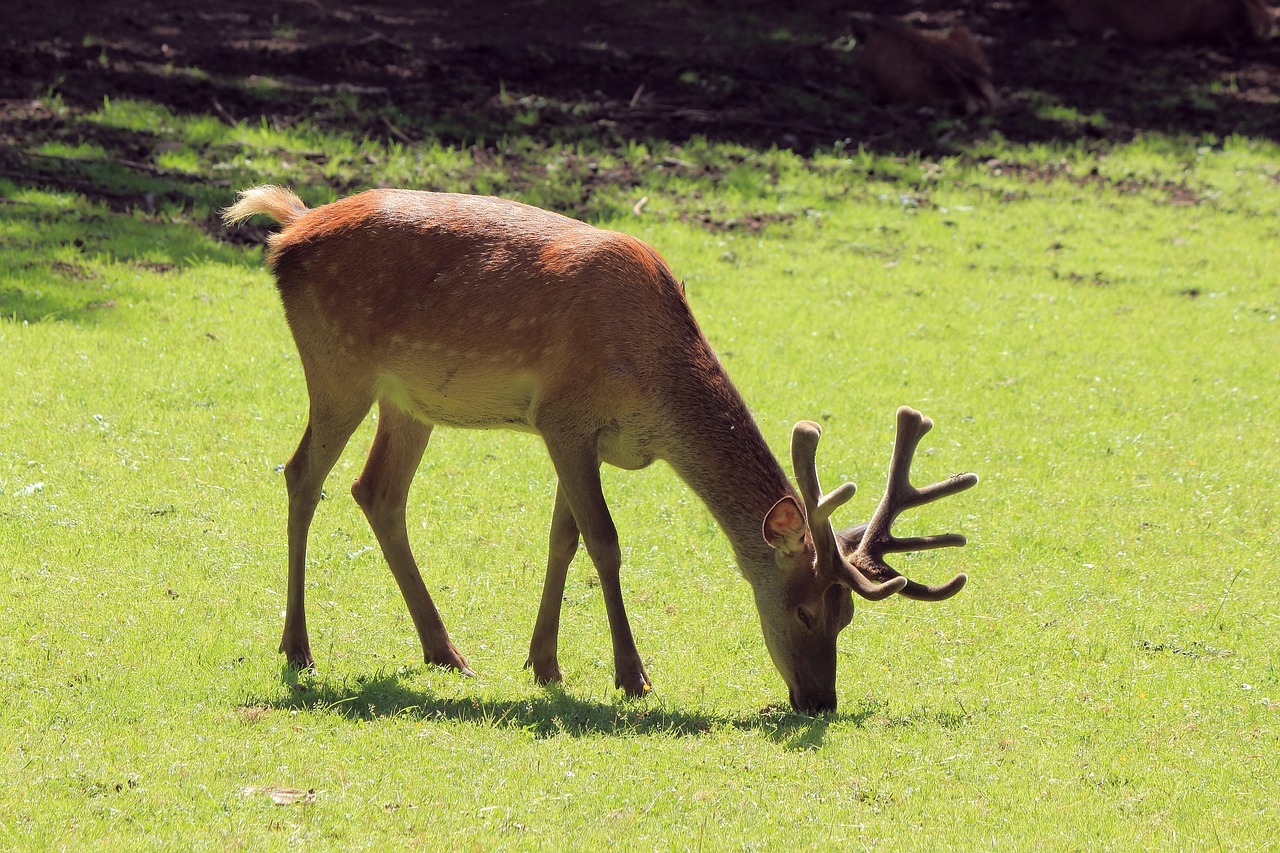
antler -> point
(877, 539)
(818, 508)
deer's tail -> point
(280, 204)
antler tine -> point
(818, 509)
(804, 459)
(877, 538)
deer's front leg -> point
(578, 468)
(546, 631)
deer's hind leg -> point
(382, 491)
(329, 428)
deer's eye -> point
(804, 617)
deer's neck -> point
(718, 450)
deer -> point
(901, 65)
(1155, 21)
(477, 312)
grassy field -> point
(1094, 332)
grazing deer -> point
(1173, 20)
(478, 312)
(901, 65)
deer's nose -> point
(823, 702)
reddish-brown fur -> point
(902, 65)
(1173, 20)
(478, 312)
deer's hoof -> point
(635, 684)
(298, 657)
(544, 673)
(450, 659)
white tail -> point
(478, 312)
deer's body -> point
(477, 312)
(1173, 20)
(406, 287)
(902, 65)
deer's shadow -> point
(551, 712)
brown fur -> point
(479, 312)
(1173, 20)
(901, 65)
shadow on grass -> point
(755, 73)
(75, 260)
(555, 712)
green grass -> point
(1094, 331)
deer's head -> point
(819, 570)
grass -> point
(1094, 331)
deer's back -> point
(472, 309)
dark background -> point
(761, 73)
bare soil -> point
(761, 73)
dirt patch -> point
(75, 272)
(750, 223)
(1177, 194)
(760, 73)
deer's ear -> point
(784, 526)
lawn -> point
(1093, 329)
